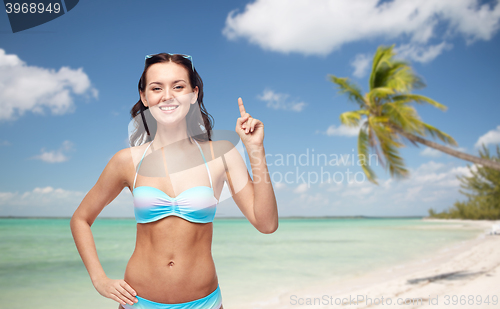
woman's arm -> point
(108, 186)
(255, 197)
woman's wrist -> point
(254, 148)
(98, 278)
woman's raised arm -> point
(255, 198)
(111, 182)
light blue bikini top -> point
(196, 204)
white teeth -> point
(169, 108)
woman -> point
(172, 265)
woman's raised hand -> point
(118, 290)
(250, 130)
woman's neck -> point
(168, 136)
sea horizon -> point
(39, 256)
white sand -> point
(462, 273)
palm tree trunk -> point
(464, 156)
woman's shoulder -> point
(129, 154)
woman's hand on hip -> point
(250, 130)
(118, 290)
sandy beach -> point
(464, 275)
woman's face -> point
(168, 93)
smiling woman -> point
(175, 191)
(182, 84)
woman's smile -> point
(168, 109)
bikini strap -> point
(210, 177)
(139, 165)
(212, 150)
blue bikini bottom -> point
(211, 301)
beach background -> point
(67, 87)
(306, 258)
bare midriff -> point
(172, 261)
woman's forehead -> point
(166, 71)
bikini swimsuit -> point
(197, 204)
(211, 301)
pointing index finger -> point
(242, 108)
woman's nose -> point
(167, 95)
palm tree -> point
(390, 117)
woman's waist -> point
(175, 279)
(160, 255)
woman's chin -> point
(169, 120)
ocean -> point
(41, 268)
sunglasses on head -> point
(185, 56)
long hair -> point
(194, 121)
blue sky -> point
(67, 86)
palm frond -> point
(400, 77)
(379, 93)
(439, 134)
(391, 73)
(394, 160)
(373, 143)
(346, 87)
(388, 145)
(351, 119)
(420, 99)
(382, 57)
(403, 116)
(363, 152)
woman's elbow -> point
(77, 219)
(269, 229)
(73, 222)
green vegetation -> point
(482, 191)
(389, 115)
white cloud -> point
(25, 88)
(301, 188)
(322, 26)
(313, 199)
(58, 202)
(279, 185)
(421, 53)
(55, 156)
(433, 175)
(38, 198)
(4, 143)
(431, 185)
(431, 152)
(357, 189)
(280, 101)
(430, 167)
(341, 130)
(361, 64)
(491, 137)
(464, 170)
(434, 153)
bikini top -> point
(196, 204)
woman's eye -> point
(178, 87)
(157, 88)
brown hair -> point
(194, 129)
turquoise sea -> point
(41, 268)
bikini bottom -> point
(211, 301)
